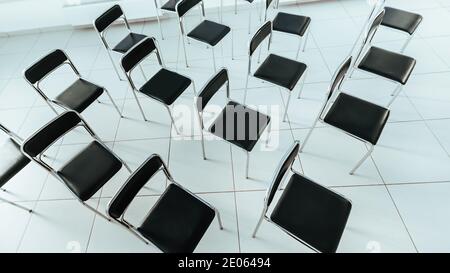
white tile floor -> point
(400, 195)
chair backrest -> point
(184, 6)
(138, 53)
(211, 88)
(339, 76)
(108, 17)
(45, 66)
(285, 165)
(122, 199)
(263, 32)
(373, 26)
(51, 132)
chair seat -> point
(79, 95)
(165, 86)
(313, 213)
(291, 23)
(128, 42)
(170, 5)
(89, 170)
(209, 32)
(281, 71)
(357, 117)
(12, 162)
(177, 222)
(388, 64)
(245, 132)
(401, 20)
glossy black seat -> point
(310, 213)
(246, 125)
(209, 32)
(320, 214)
(401, 20)
(388, 64)
(177, 222)
(281, 71)
(128, 42)
(170, 5)
(79, 95)
(12, 162)
(291, 23)
(360, 118)
(89, 170)
(165, 86)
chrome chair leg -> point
(159, 20)
(261, 218)
(114, 65)
(406, 44)
(287, 106)
(246, 168)
(302, 84)
(16, 205)
(184, 50)
(360, 162)
(142, 71)
(214, 59)
(306, 39)
(219, 219)
(139, 105)
(112, 101)
(395, 94)
(245, 90)
(173, 121)
(232, 44)
(308, 135)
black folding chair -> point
(238, 124)
(13, 161)
(280, 71)
(389, 65)
(310, 213)
(86, 172)
(207, 32)
(178, 220)
(357, 118)
(102, 24)
(292, 24)
(78, 96)
(163, 87)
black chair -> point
(308, 212)
(237, 123)
(389, 65)
(280, 71)
(292, 24)
(78, 96)
(178, 220)
(86, 172)
(207, 32)
(163, 87)
(13, 161)
(102, 24)
(358, 118)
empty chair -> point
(389, 65)
(13, 161)
(293, 24)
(360, 119)
(102, 24)
(308, 212)
(163, 87)
(207, 32)
(78, 96)
(280, 71)
(86, 172)
(238, 124)
(178, 220)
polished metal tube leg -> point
(246, 165)
(232, 44)
(142, 71)
(258, 224)
(16, 205)
(406, 44)
(159, 20)
(302, 84)
(362, 160)
(245, 90)
(395, 95)
(139, 105)
(287, 106)
(214, 59)
(249, 21)
(219, 219)
(306, 40)
(173, 121)
(114, 66)
(115, 105)
(308, 135)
